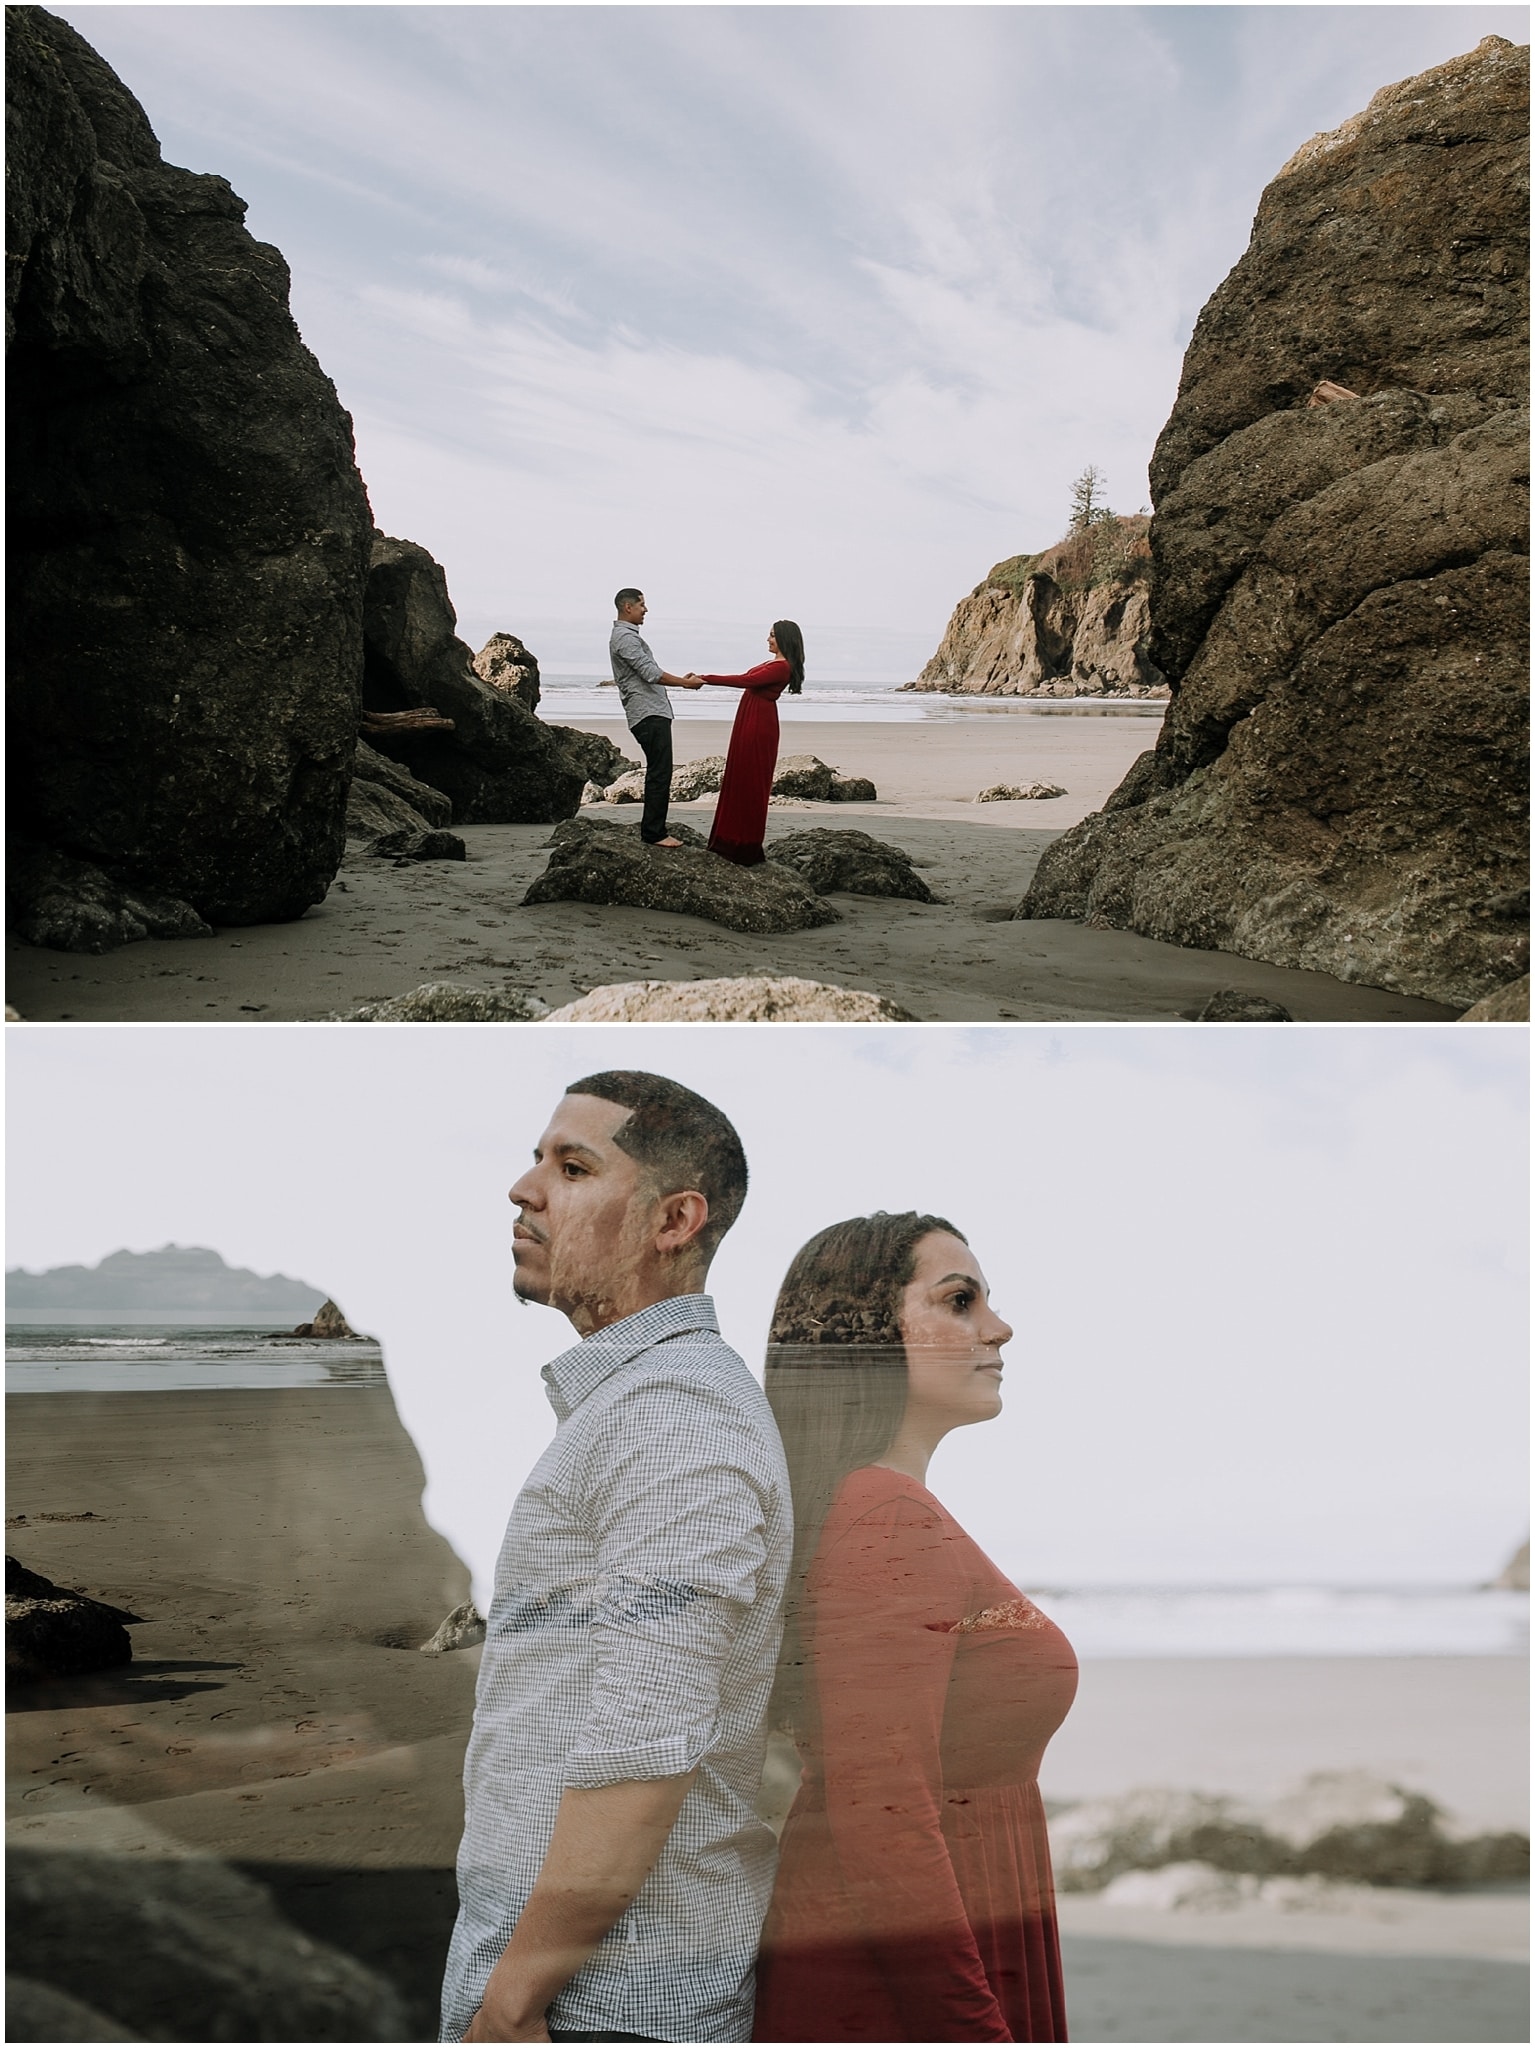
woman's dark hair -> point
(836, 1382)
(791, 645)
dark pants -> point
(554, 2032)
(655, 736)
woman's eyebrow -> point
(970, 1280)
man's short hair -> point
(624, 597)
(680, 1141)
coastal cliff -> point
(1339, 587)
(1073, 621)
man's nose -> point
(524, 1193)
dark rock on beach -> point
(411, 844)
(52, 1632)
(852, 862)
(41, 2012)
(853, 789)
(507, 666)
(77, 907)
(373, 809)
(498, 764)
(597, 862)
(188, 534)
(1234, 1006)
(328, 1322)
(804, 776)
(1340, 577)
(186, 1949)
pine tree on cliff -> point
(1089, 507)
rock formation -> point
(732, 999)
(1235, 1006)
(595, 862)
(428, 806)
(408, 843)
(596, 758)
(1070, 622)
(51, 1632)
(1343, 1825)
(461, 1630)
(802, 777)
(188, 533)
(76, 907)
(852, 863)
(497, 763)
(506, 665)
(1509, 1004)
(1340, 583)
(328, 1322)
(1017, 793)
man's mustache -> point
(523, 1228)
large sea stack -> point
(1340, 583)
(1072, 621)
(189, 535)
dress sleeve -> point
(880, 1636)
(678, 1515)
(761, 678)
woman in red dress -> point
(914, 1899)
(740, 818)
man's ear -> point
(682, 1217)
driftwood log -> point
(425, 718)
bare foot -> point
(666, 842)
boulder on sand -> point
(852, 862)
(461, 1630)
(499, 764)
(373, 808)
(1235, 1006)
(410, 844)
(1340, 594)
(1507, 1005)
(735, 999)
(506, 665)
(78, 908)
(1019, 792)
(690, 780)
(597, 862)
(853, 789)
(804, 776)
(52, 1632)
(188, 534)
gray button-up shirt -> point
(637, 674)
(634, 1633)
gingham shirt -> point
(637, 674)
(633, 1634)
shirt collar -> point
(578, 1372)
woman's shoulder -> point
(880, 1494)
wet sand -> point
(384, 930)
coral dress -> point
(740, 818)
(914, 1899)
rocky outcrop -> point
(734, 999)
(1340, 587)
(597, 862)
(328, 1322)
(445, 1002)
(410, 844)
(1073, 621)
(188, 534)
(498, 764)
(1235, 1006)
(854, 863)
(52, 1632)
(507, 666)
(1019, 792)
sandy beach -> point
(277, 1718)
(384, 930)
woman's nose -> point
(1000, 1332)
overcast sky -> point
(1268, 1286)
(809, 312)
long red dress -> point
(914, 1899)
(740, 818)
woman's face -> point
(953, 1336)
(773, 647)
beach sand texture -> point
(275, 1542)
(384, 930)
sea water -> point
(564, 698)
(144, 1358)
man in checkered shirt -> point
(614, 1874)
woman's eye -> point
(961, 1301)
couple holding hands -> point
(740, 818)
(698, 1559)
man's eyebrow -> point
(567, 1149)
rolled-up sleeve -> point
(679, 1524)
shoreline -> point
(383, 931)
